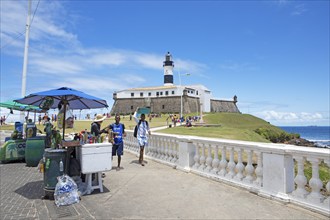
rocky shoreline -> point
(303, 143)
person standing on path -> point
(118, 130)
(48, 129)
(96, 128)
(142, 131)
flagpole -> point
(26, 50)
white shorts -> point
(143, 141)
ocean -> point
(318, 134)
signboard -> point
(145, 110)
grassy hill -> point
(232, 126)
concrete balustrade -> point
(263, 168)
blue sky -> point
(274, 55)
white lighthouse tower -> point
(168, 70)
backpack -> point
(137, 127)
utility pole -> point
(26, 51)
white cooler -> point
(95, 158)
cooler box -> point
(19, 126)
(95, 158)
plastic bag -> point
(68, 118)
(66, 191)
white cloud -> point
(55, 66)
(299, 10)
(56, 51)
(237, 66)
(106, 58)
(298, 118)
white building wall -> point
(198, 91)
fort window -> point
(161, 93)
(166, 92)
(141, 94)
(131, 107)
(173, 92)
(157, 93)
(149, 94)
(132, 94)
(196, 92)
(163, 106)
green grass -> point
(86, 124)
(233, 126)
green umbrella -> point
(12, 105)
(19, 107)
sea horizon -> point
(320, 135)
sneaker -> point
(103, 175)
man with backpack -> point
(142, 129)
(118, 130)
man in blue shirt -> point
(118, 130)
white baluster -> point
(209, 159)
(315, 183)
(176, 151)
(223, 162)
(152, 150)
(239, 166)
(173, 144)
(259, 170)
(166, 146)
(202, 159)
(170, 153)
(159, 148)
(169, 150)
(161, 156)
(151, 147)
(164, 149)
(300, 179)
(196, 157)
(249, 169)
(215, 162)
(327, 200)
(231, 165)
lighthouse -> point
(168, 70)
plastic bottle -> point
(106, 139)
(61, 166)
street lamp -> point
(184, 74)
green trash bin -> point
(12, 150)
(52, 159)
(34, 150)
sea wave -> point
(322, 143)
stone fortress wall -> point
(170, 105)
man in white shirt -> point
(142, 131)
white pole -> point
(26, 50)
(180, 96)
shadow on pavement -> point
(32, 190)
(137, 162)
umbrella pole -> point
(35, 112)
(64, 120)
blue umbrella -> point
(65, 96)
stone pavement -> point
(154, 191)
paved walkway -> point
(155, 191)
